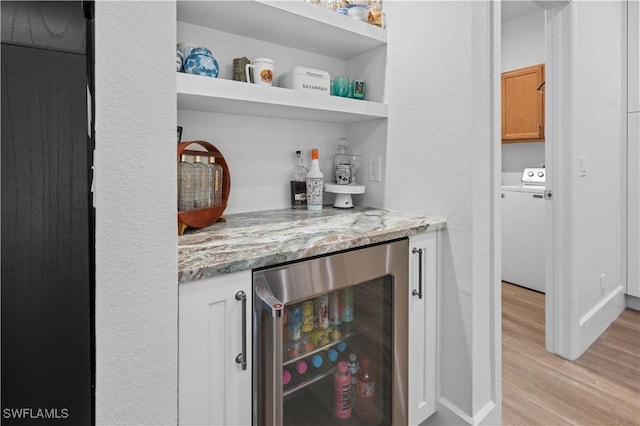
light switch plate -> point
(582, 166)
(374, 169)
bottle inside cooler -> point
(348, 330)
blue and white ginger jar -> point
(201, 62)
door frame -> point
(559, 311)
(559, 329)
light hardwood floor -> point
(602, 387)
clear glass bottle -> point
(342, 164)
(202, 185)
(186, 193)
(298, 183)
(215, 178)
(315, 183)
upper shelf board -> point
(295, 24)
(199, 93)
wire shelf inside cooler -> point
(313, 378)
(345, 336)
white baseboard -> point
(633, 302)
(450, 414)
(598, 319)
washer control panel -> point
(534, 176)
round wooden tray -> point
(201, 218)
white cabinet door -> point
(633, 47)
(213, 389)
(423, 280)
(633, 203)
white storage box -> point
(307, 79)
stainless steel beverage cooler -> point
(373, 281)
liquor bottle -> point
(354, 366)
(315, 183)
(185, 184)
(366, 408)
(202, 185)
(298, 180)
(342, 386)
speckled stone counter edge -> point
(257, 239)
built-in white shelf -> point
(200, 93)
(296, 24)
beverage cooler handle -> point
(273, 356)
(242, 357)
(419, 291)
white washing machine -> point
(523, 231)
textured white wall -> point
(260, 152)
(136, 243)
(439, 163)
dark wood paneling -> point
(46, 304)
(55, 25)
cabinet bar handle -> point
(242, 357)
(419, 291)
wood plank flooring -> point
(602, 387)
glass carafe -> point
(345, 165)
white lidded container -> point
(307, 79)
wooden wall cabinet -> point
(523, 105)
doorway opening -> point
(523, 172)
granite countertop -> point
(265, 238)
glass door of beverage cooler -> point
(330, 339)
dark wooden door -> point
(46, 255)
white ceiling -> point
(515, 8)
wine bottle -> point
(298, 182)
